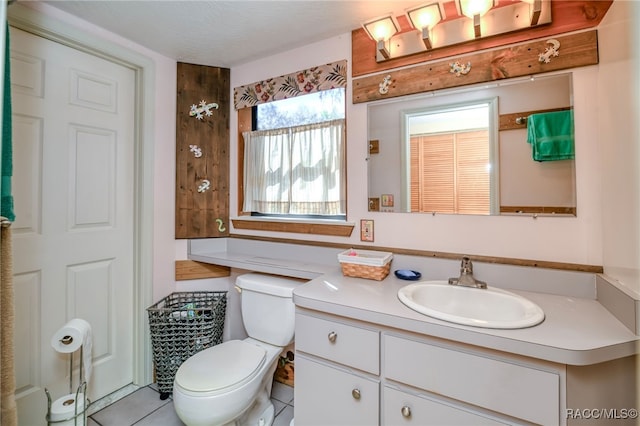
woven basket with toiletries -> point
(181, 325)
(368, 264)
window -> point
(308, 109)
(294, 163)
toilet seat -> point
(220, 368)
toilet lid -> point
(220, 366)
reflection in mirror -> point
(467, 151)
(447, 156)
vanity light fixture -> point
(535, 10)
(474, 9)
(381, 30)
(424, 18)
(441, 23)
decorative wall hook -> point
(203, 107)
(550, 51)
(384, 85)
(197, 151)
(204, 185)
(221, 227)
(459, 69)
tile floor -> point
(144, 407)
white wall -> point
(573, 240)
(606, 136)
(619, 133)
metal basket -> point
(181, 325)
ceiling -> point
(228, 33)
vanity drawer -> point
(516, 390)
(343, 343)
(403, 408)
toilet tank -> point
(268, 311)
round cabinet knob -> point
(406, 411)
(332, 336)
(355, 393)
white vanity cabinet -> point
(482, 381)
(354, 373)
(337, 373)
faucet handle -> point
(466, 265)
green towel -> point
(551, 135)
(6, 200)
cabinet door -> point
(327, 395)
(521, 391)
(401, 408)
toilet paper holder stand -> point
(80, 392)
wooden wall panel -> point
(297, 227)
(245, 116)
(192, 270)
(518, 120)
(575, 50)
(201, 211)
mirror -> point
(466, 151)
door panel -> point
(73, 118)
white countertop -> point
(575, 331)
(269, 265)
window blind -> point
(450, 173)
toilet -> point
(230, 383)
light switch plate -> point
(366, 230)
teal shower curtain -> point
(6, 202)
(8, 408)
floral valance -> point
(316, 79)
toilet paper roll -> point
(64, 408)
(71, 337)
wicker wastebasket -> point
(181, 325)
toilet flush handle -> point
(332, 336)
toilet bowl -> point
(241, 380)
(230, 384)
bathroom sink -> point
(490, 307)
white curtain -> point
(296, 170)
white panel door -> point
(73, 127)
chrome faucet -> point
(466, 278)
